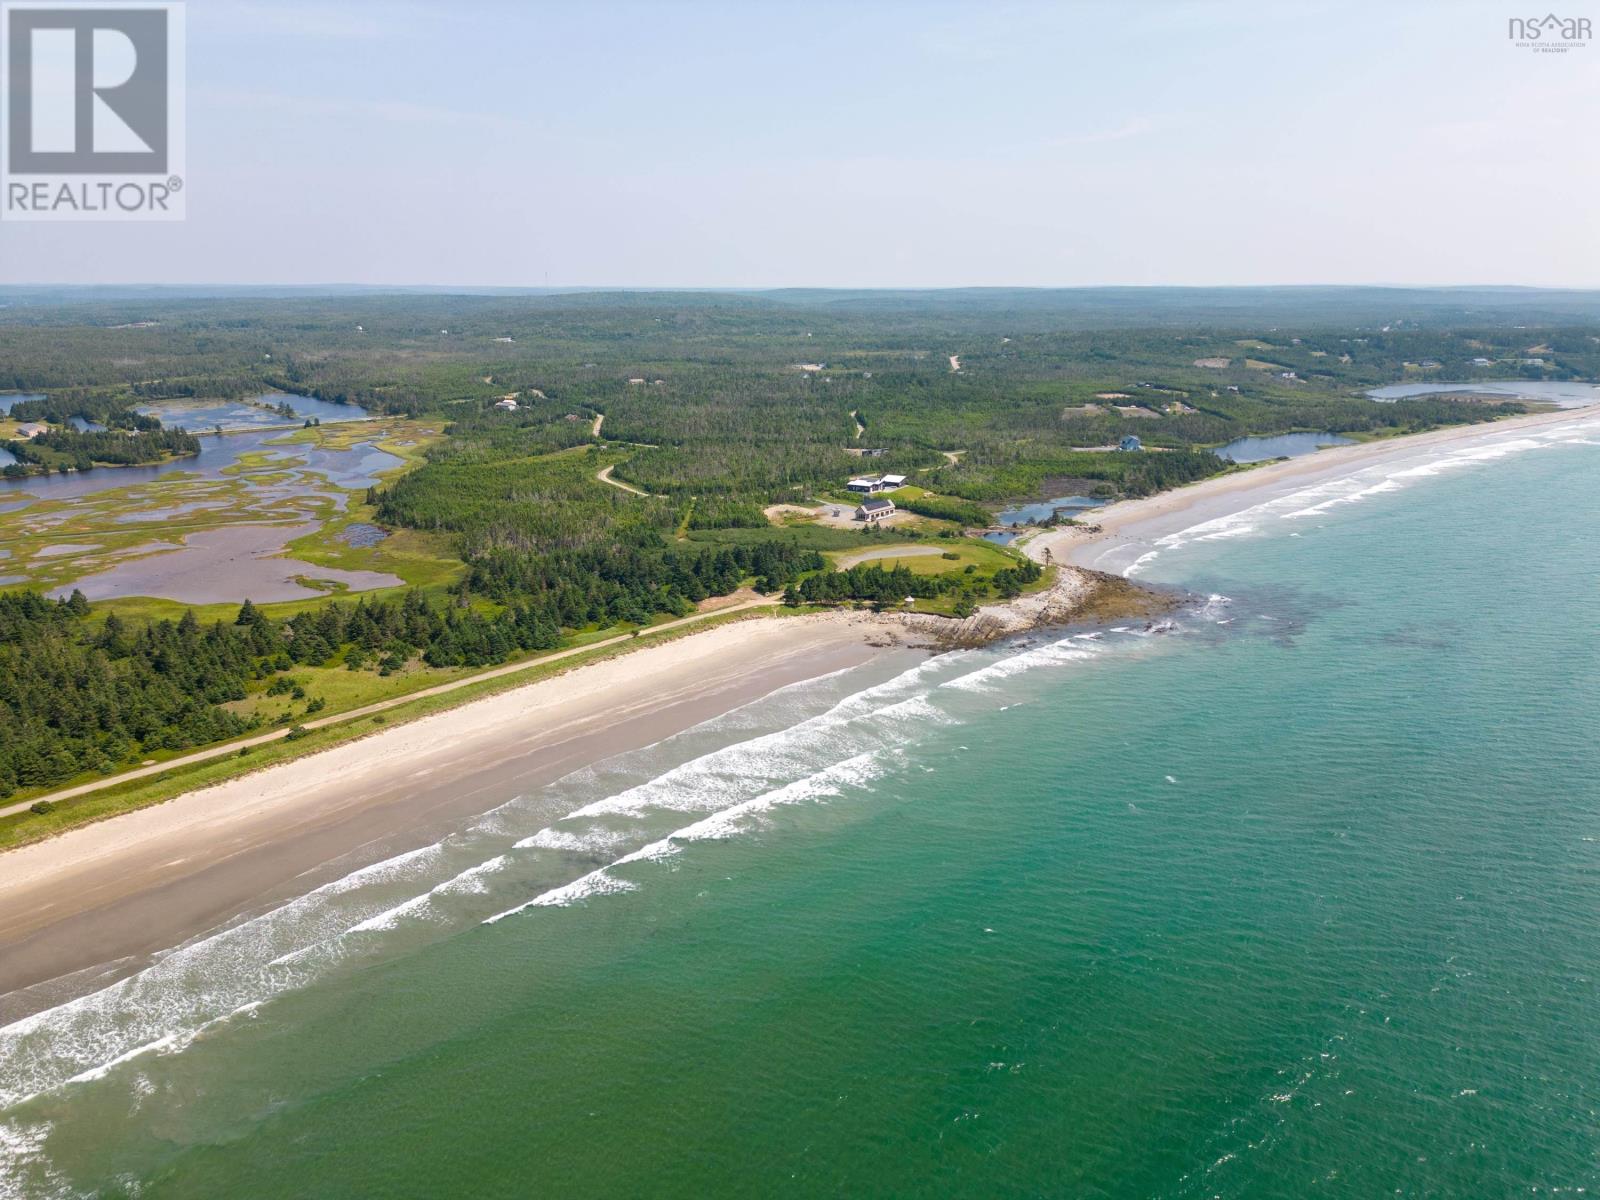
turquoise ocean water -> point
(1300, 897)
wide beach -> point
(988, 909)
(94, 903)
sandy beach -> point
(93, 904)
(96, 902)
(1128, 529)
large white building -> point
(870, 484)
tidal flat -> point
(198, 530)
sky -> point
(871, 144)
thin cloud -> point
(352, 22)
(1132, 128)
(398, 112)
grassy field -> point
(954, 555)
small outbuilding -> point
(1130, 443)
(875, 509)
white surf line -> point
(256, 960)
(694, 779)
(262, 957)
(857, 770)
(1364, 482)
(243, 963)
(720, 825)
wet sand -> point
(94, 904)
(1130, 528)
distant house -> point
(31, 429)
(872, 484)
(875, 509)
(636, 382)
(1130, 443)
(1483, 362)
(505, 339)
(506, 404)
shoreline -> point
(1125, 530)
(97, 902)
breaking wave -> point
(590, 834)
(1378, 480)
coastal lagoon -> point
(1041, 511)
(258, 412)
(1283, 445)
(216, 566)
(1292, 895)
(1561, 393)
(206, 528)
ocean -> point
(1294, 895)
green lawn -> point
(973, 552)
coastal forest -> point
(605, 460)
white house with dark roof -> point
(876, 509)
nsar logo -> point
(1549, 34)
(91, 111)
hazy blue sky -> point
(871, 144)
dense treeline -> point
(524, 501)
(97, 408)
(76, 696)
(68, 449)
(604, 585)
(541, 533)
(886, 588)
(944, 508)
(1001, 472)
(75, 699)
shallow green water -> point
(1298, 899)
